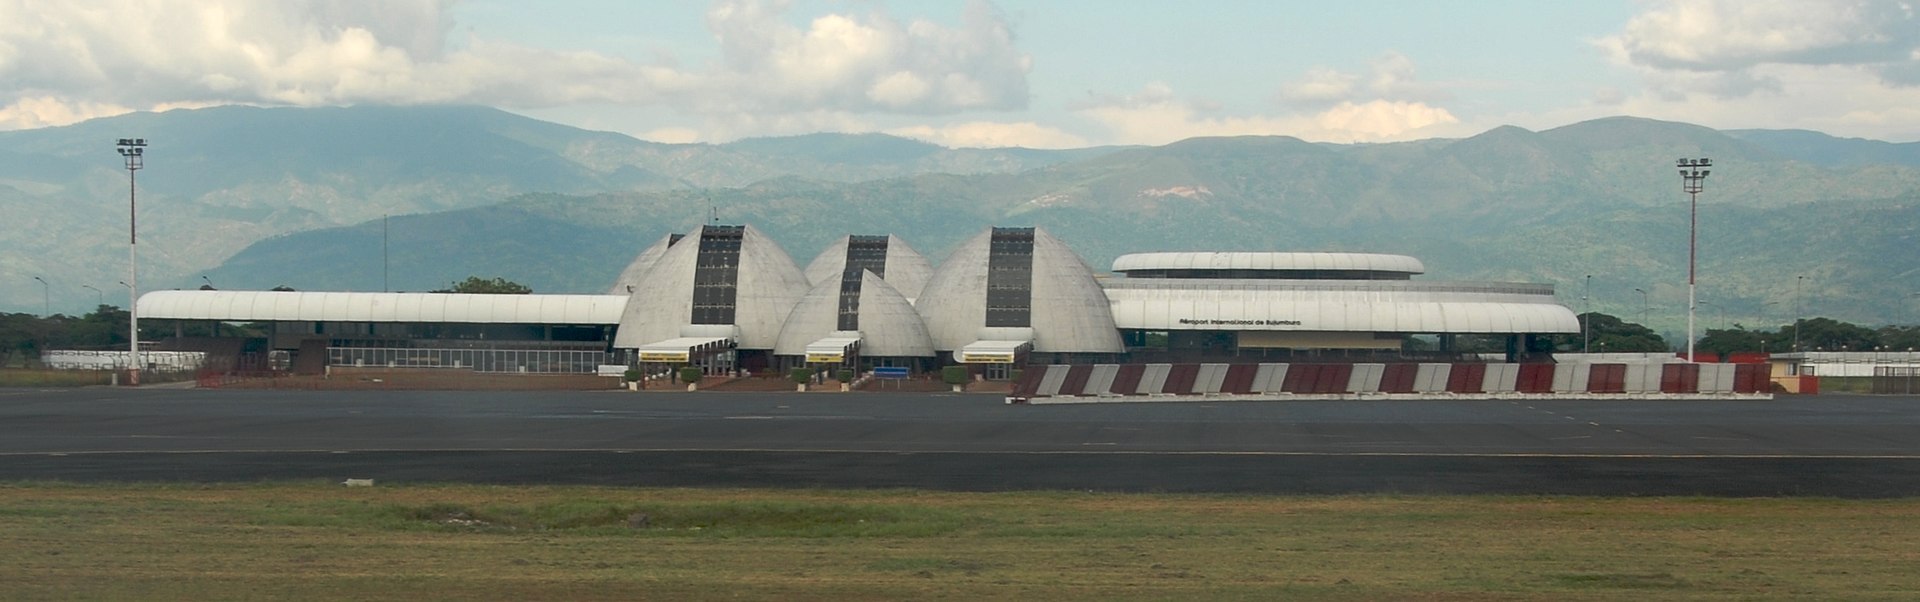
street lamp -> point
(1646, 307)
(1586, 328)
(1798, 310)
(133, 150)
(99, 298)
(1692, 180)
(210, 285)
(1719, 311)
(46, 297)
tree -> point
(481, 286)
(1611, 334)
(1828, 334)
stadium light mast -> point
(133, 150)
(46, 297)
(1693, 177)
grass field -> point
(458, 542)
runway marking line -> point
(1381, 454)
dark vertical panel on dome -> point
(1010, 278)
(716, 274)
(864, 253)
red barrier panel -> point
(1607, 378)
(1076, 381)
(1809, 385)
(1680, 378)
(1535, 378)
(1029, 383)
(1334, 378)
(1746, 357)
(1180, 379)
(1300, 378)
(1467, 378)
(1751, 378)
(1127, 380)
(1398, 378)
(1240, 378)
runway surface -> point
(1847, 446)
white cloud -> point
(1157, 116)
(92, 57)
(987, 134)
(1849, 68)
(1718, 35)
(1390, 76)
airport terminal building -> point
(727, 298)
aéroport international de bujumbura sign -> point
(663, 356)
(1195, 322)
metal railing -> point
(542, 361)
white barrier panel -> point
(1431, 378)
(1270, 378)
(1563, 378)
(1051, 381)
(1716, 378)
(1154, 379)
(1208, 378)
(1501, 378)
(1366, 378)
(1636, 379)
(1101, 381)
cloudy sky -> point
(1043, 73)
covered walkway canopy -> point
(684, 349)
(834, 349)
(993, 352)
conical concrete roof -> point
(1068, 311)
(767, 284)
(629, 279)
(904, 268)
(888, 325)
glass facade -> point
(1010, 278)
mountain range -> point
(217, 180)
(1791, 221)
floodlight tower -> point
(134, 151)
(1693, 176)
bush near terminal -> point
(322, 541)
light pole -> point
(46, 297)
(1798, 310)
(1586, 328)
(1692, 180)
(210, 285)
(133, 150)
(1646, 307)
(1720, 312)
(99, 298)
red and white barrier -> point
(1058, 383)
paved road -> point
(1854, 446)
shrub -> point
(844, 375)
(800, 376)
(690, 375)
(633, 374)
(955, 375)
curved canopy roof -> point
(1339, 306)
(250, 306)
(1214, 260)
